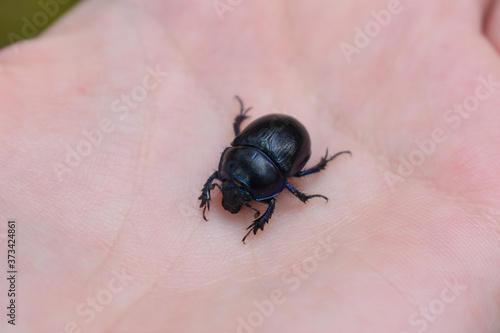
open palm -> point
(114, 118)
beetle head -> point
(234, 196)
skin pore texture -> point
(115, 116)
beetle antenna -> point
(257, 213)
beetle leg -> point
(261, 221)
(205, 192)
(239, 118)
(257, 213)
(302, 196)
(321, 165)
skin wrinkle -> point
(144, 150)
(154, 284)
(384, 278)
(491, 225)
(299, 71)
(373, 233)
(494, 26)
(132, 201)
(148, 291)
(489, 7)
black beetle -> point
(258, 163)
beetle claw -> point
(204, 217)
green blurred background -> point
(23, 19)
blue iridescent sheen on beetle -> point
(256, 166)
